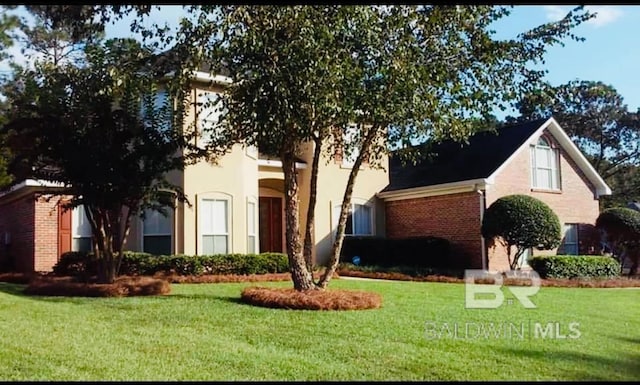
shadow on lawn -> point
(12, 288)
(586, 366)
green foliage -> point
(521, 221)
(134, 263)
(621, 229)
(416, 251)
(398, 73)
(595, 117)
(575, 266)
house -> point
(236, 206)
(447, 194)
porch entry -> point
(270, 219)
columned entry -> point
(270, 224)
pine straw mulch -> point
(287, 298)
(550, 282)
(20, 278)
(222, 278)
(123, 287)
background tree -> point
(523, 222)
(398, 73)
(97, 129)
(621, 229)
(596, 119)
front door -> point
(64, 230)
(270, 224)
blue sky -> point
(610, 53)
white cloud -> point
(555, 12)
(604, 14)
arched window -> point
(545, 171)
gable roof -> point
(479, 161)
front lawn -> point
(203, 332)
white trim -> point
(278, 163)
(437, 189)
(206, 77)
(256, 225)
(572, 150)
(31, 183)
(354, 201)
(214, 195)
(482, 240)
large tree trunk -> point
(102, 229)
(301, 276)
(344, 209)
(313, 195)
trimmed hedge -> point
(416, 251)
(133, 263)
(575, 266)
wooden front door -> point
(270, 224)
(64, 230)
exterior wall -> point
(332, 180)
(46, 233)
(17, 223)
(455, 217)
(574, 203)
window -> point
(214, 226)
(80, 230)
(349, 151)
(156, 232)
(251, 227)
(544, 166)
(209, 111)
(569, 244)
(162, 110)
(359, 219)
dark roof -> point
(454, 161)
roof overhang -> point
(435, 190)
(206, 77)
(30, 185)
(601, 188)
(278, 163)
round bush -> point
(522, 221)
(620, 222)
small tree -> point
(521, 221)
(620, 227)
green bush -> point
(575, 266)
(416, 251)
(133, 263)
(521, 221)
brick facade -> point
(574, 203)
(455, 217)
(46, 233)
(17, 234)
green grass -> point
(202, 332)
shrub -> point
(134, 263)
(416, 251)
(621, 229)
(521, 221)
(572, 266)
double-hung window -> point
(545, 172)
(156, 232)
(80, 230)
(214, 224)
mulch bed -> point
(287, 298)
(551, 282)
(122, 287)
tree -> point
(596, 119)
(621, 229)
(398, 73)
(97, 129)
(523, 222)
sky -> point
(610, 52)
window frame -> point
(205, 138)
(214, 196)
(74, 234)
(252, 201)
(354, 201)
(553, 169)
(171, 218)
(350, 131)
(566, 227)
